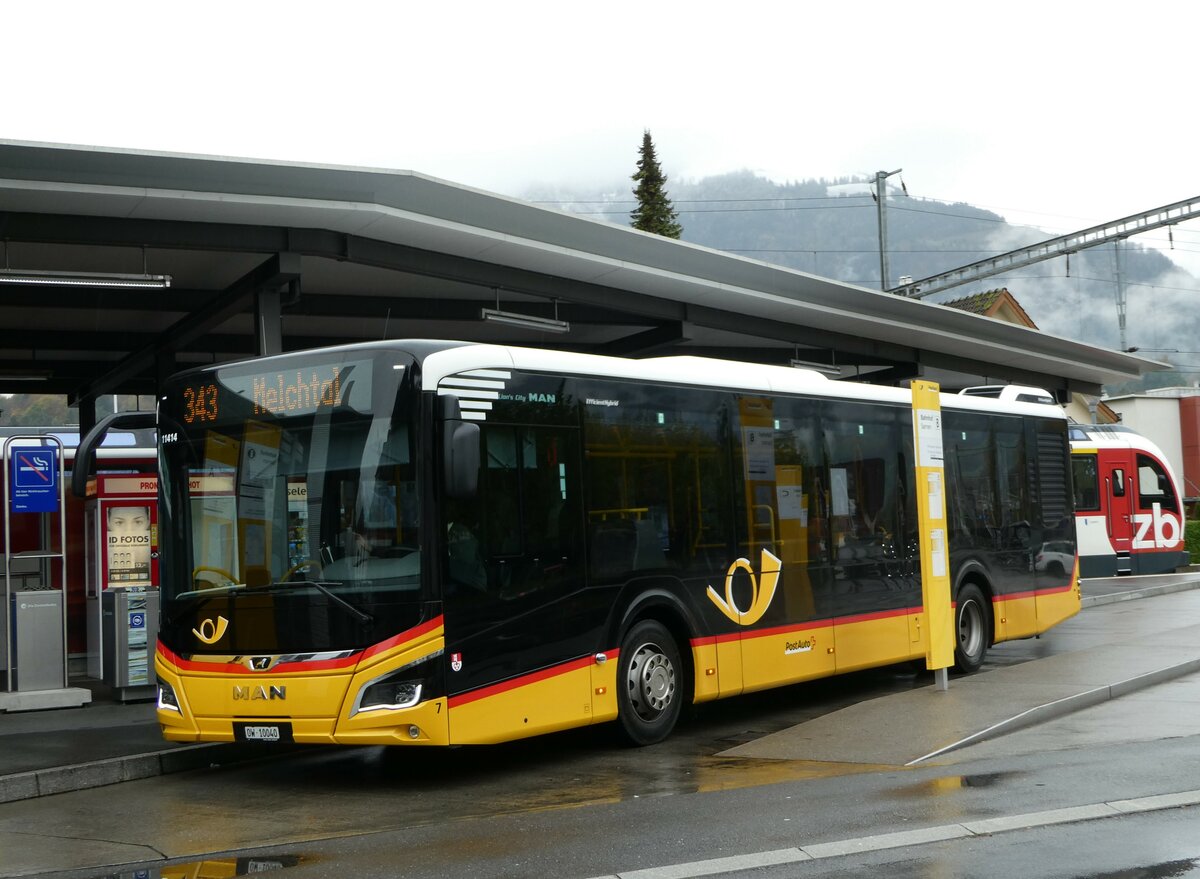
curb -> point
(1068, 705)
(1143, 592)
(114, 770)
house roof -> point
(997, 303)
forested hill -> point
(830, 228)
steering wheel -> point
(299, 566)
(221, 571)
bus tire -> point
(972, 627)
(649, 684)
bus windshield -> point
(289, 492)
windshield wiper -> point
(322, 586)
(195, 597)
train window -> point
(1118, 483)
(1086, 482)
(1154, 486)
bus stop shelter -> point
(118, 267)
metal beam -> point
(279, 270)
(1007, 372)
(647, 342)
(172, 300)
(1168, 215)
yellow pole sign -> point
(931, 515)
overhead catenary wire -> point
(773, 204)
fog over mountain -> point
(830, 228)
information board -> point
(34, 479)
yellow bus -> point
(443, 543)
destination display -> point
(303, 390)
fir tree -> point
(654, 212)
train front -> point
(293, 602)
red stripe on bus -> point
(409, 635)
(710, 640)
(525, 680)
(236, 668)
(350, 661)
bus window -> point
(781, 507)
(657, 480)
(1154, 486)
(1013, 511)
(526, 540)
(863, 448)
(970, 459)
(1086, 478)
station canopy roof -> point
(266, 255)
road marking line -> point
(1162, 801)
(886, 841)
(1041, 819)
(715, 866)
(940, 833)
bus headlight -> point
(167, 699)
(389, 693)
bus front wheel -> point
(972, 628)
(649, 684)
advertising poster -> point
(128, 533)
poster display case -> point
(121, 581)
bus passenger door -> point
(514, 574)
(874, 590)
(788, 641)
(1117, 468)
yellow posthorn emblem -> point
(760, 597)
(210, 632)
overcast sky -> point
(1059, 114)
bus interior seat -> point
(620, 546)
(614, 546)
(648, 552)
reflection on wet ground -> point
(311, 794)
(585, 767)
(212, 868)
(950, 783)
(1165, 870)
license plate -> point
(263, 732)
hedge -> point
(1191, 536)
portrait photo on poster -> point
(127, 529)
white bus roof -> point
(686, 370)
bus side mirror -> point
(460, 452)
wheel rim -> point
(651, 681)
(970, 628)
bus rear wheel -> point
(973, 628)
(649, 684)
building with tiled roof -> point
(1001, 305)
